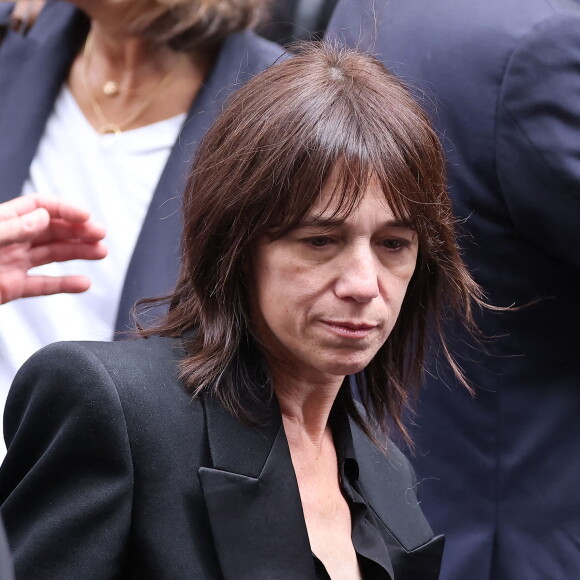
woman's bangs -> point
(344, 188)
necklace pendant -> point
(111, 89)
(109, 128)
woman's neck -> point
(132, 62)
(305, 408)
(124, 82)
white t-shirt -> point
(114, 177)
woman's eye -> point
(319, 241)
(393, 244)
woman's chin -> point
(348, 366)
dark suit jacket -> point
(6, 572)
(32, 71)
(286, 25)
(114, 472)
(501, 80)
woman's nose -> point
(358, 276)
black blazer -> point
(501, 80)
(114, 472)
(6, 571)
(32, 71)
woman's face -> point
(327, 295)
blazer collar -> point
(388, 486)
(253, 500)
(254, 504)
(239, 58)
(256, 514)
(34, 67)
(252, 495)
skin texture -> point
(135, 64)
(36, 230)
(329, 296)
(326, 297)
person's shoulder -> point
(123, 365)
(154, 348)
(109, 352)
(133, 377)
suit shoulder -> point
(61, 385)
(133, 369)
(137, 380)
(111, 355)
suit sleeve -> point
(538, 137)
(66, 483)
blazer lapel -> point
(34, 68)
(253, 500)
(155, 262)
(388, 485)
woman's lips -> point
(349, 329)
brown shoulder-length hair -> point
(186, 25)
(260, 169)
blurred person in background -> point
(102, 104)
(499, 472)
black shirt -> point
(371, 551)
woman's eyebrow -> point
(333, 222)
(405, 224)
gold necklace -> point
(111, 89)
(118, 128)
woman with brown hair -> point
(102, 105)
(318, 245)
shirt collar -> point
(342, 434)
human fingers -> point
(61, 230)
(63, 210)
(55, 207)
(63, 251)
(23, 228)
(59, 209)
(46, 285)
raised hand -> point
(36, 230)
